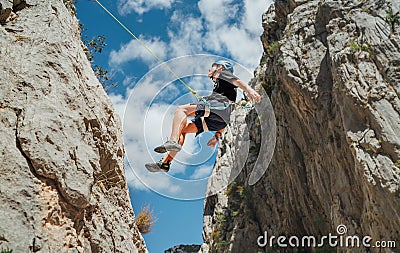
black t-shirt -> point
(224, 85)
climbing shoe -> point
(168, 146)
(158, 166)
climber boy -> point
(210, 114)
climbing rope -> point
(149, 50)
(199, 98)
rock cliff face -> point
(184, 249)
(332, 71)
(63, 186)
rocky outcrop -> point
(63, 186)
(222, 208)
(184, 249)
(331, 69)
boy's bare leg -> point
(180, 120)
(171, 154)
(189, 128)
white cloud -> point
(253, 11)
(119, 103)
(224, 28)
(202, 172)
(217, 12)
(134, 50)
(188, 39)
(244, 48)
(239, 39)
(141, 6)
(128, 80)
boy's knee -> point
(183, 108)
(180, 108)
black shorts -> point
(214, 116)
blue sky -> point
(188, 35)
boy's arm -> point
(214, 140)
(251, 93)
(218, 134)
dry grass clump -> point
(145, 220)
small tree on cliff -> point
(392, 18)
(91, 47)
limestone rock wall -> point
(62, 183)
(331, 69)
(184, 249)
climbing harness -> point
(227, 65)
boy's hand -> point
(253, 95)
(212, 142)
